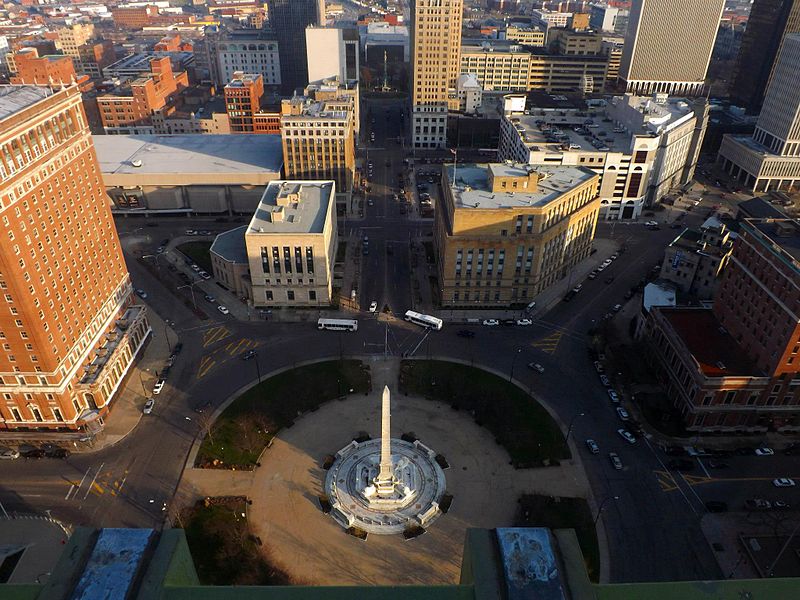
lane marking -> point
(666, 480)
(89, 489)
(215, 335)
(548, 344)
(206, 363)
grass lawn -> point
(518, 422)
(198, 252)
(223, 551)
(240, 433)
(563, 513)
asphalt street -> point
(651, 514)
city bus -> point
(338, 324)
(424, 320)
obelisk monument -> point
(385, 481)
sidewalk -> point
(126, 408)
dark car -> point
(53, 451)
(465, 333)
(792, 449)
(745, 451)
(178, 348)
(674, 451)
(678, 464)
(510, 322)
(715, 506)
(28, 451)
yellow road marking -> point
(548, 344)
(215, 334)
(697, 479)
(666, 481)
(97, 489)
(206, 363)
(237, 347)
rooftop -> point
(14, 98)
(658, 293)
(711, 346)
(471, 187)
(205, 159)
(230, 245)
(292, 207)
(113, 564)
(760, 208)
(782, 236)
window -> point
(268, 295)
(312, 295)
(729, 397)
(290, 294)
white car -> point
(190, 232)
(577, 288)
(7, 453)
(626, 435)
(764, 451)
(614, 396)
(223, 310)
(536, 367)
(373, 306)
(158, 387)
(617, 308)
(623, 414)
(524, 322)
(491, 322)
(204, 275)
(783, 482)
(142, 294)
(605, 381)
(195, 268)
(593, 447)
(148, 406)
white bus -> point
(424, 320)
(338, 324)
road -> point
(651, 514)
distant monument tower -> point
(385, 486)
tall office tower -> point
(769, 23)
(436, 43)
(288, 20)
(668, 45)
(68, 327)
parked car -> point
(598, 366)
(249, 354)
(223, 310)
(623, 414)
(715, 506)
(612, 394)
(28, 451)
(149, 405)
(780, 504)
(190, 232)
(209, 298)
(524, 322)
(577, 288)
(627, 436)
(615, 460)
(757, 504)
(54, 451)
(593, 447)
(491, 322)
(605, 381)
(178, 347)
(7, 453)
(783, 482)
(158, 386)
(141, 293)
(617, 308)
(373, 306)
(764, 452)
(204, 275)
(465, 333)
(536, 367)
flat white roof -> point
(193, 159)
(304, 216)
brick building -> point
(735, 367)
(243, 105)
(44, 70)
(130, 109)
(69, 328)
(137, 17)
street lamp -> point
(571, 423)
(258, 367)
(514, 362)
(191, 289)
(602, 506)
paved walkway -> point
(314, 549)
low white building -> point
(641, 147)
(470, 93)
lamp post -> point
(514, 362)
(166, 335)
(571, 423)
(602, 506)
(144, 391)
(191, 289)
(258, 366)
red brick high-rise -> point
(69, 326)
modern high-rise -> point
(770, 159)
(70, 328)
(288, 20)
(769, 23)
(436, 50)
(332, 52)
(668, 45)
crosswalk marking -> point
(215, 334)
(548, 344)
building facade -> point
(506, 232)
(770, 158)
(70, 329)
(767, 26)
(291, 244)
(668, 45)
(43, 70)
(247, 50)
(500, 66)
(332, 52)
(435, 61)
(243, 106)
(288, 20)
(529, 36)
